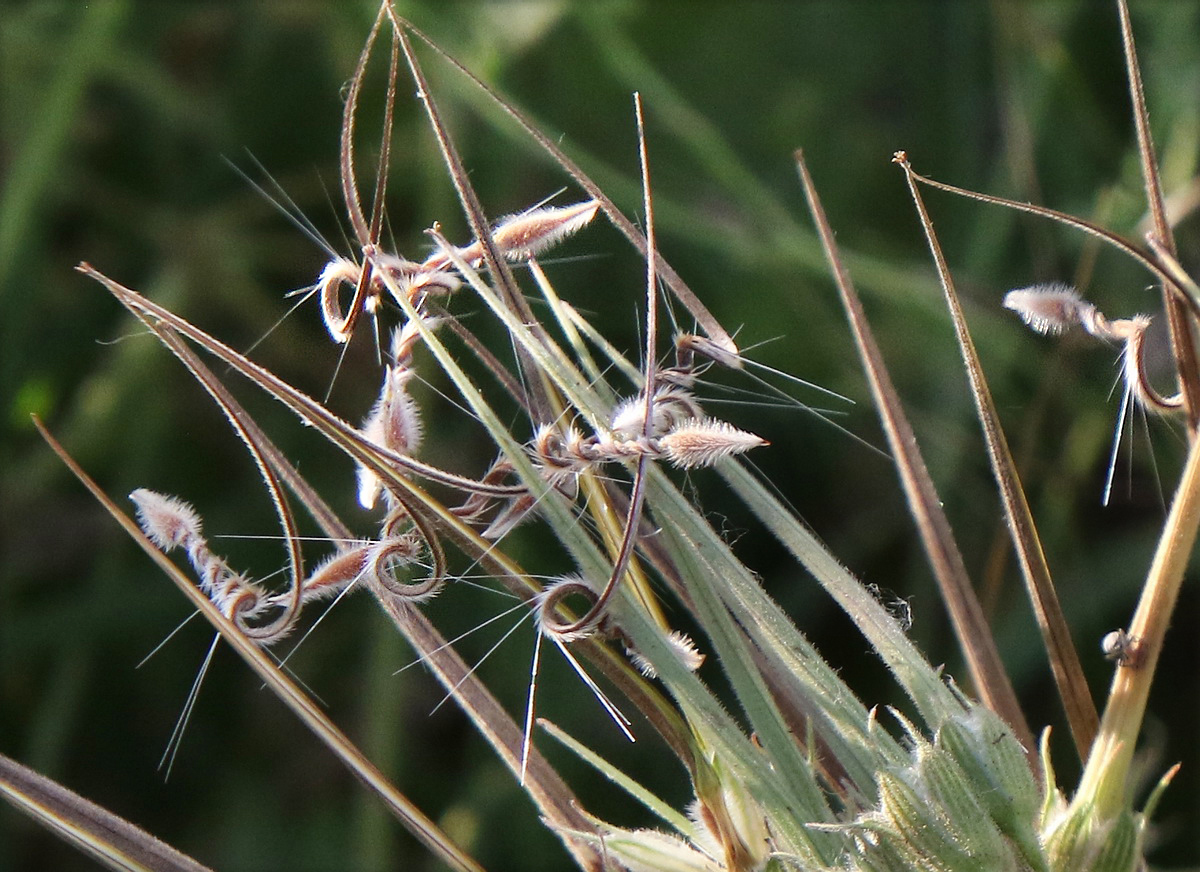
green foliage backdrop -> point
(119, 122)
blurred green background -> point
(118, 123)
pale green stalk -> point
(1105, 778)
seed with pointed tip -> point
(1049, 309)
(702, 442)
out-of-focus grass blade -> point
(35, 163)
(1056, 635)
(970, 626)
(38, 158)
(111, 840)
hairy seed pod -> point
(528, 234)
(1051, 309)
(702, 442)
(673, 404)
(171, 523)
(394, 423)
(168, 521)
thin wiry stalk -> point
(1056, 635)
(1103, 234)
(497, 266)
(283, 687)
(354, 210)
(709, 324)
(1183, 342)
(256, 443)
(365, 235)
(633, 514)
(971, 628)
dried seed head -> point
(673, 404)
(168, 521)
(525, 235)
(415, 286)
(390, 557)
(560, 455)
(1133, 328)
(528, 234)
(1133, 332)
(171, 523)
(242, 600)
(335, 573)
(405, 338)
(401, 278)
(688, 345)
(396, 421)
(702, 442)
(1050, 309)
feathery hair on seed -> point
(171, 523)
(1051, 309)
(704, 441)
(168, 521)
(527, 234)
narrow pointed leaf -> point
(1056, 635)
(974, 635)
(96, 831)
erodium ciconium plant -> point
(793, 772)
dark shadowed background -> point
(119, 123)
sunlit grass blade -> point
(623, 780)
(1106, 773)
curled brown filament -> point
(1055, 308)
(547, 613)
